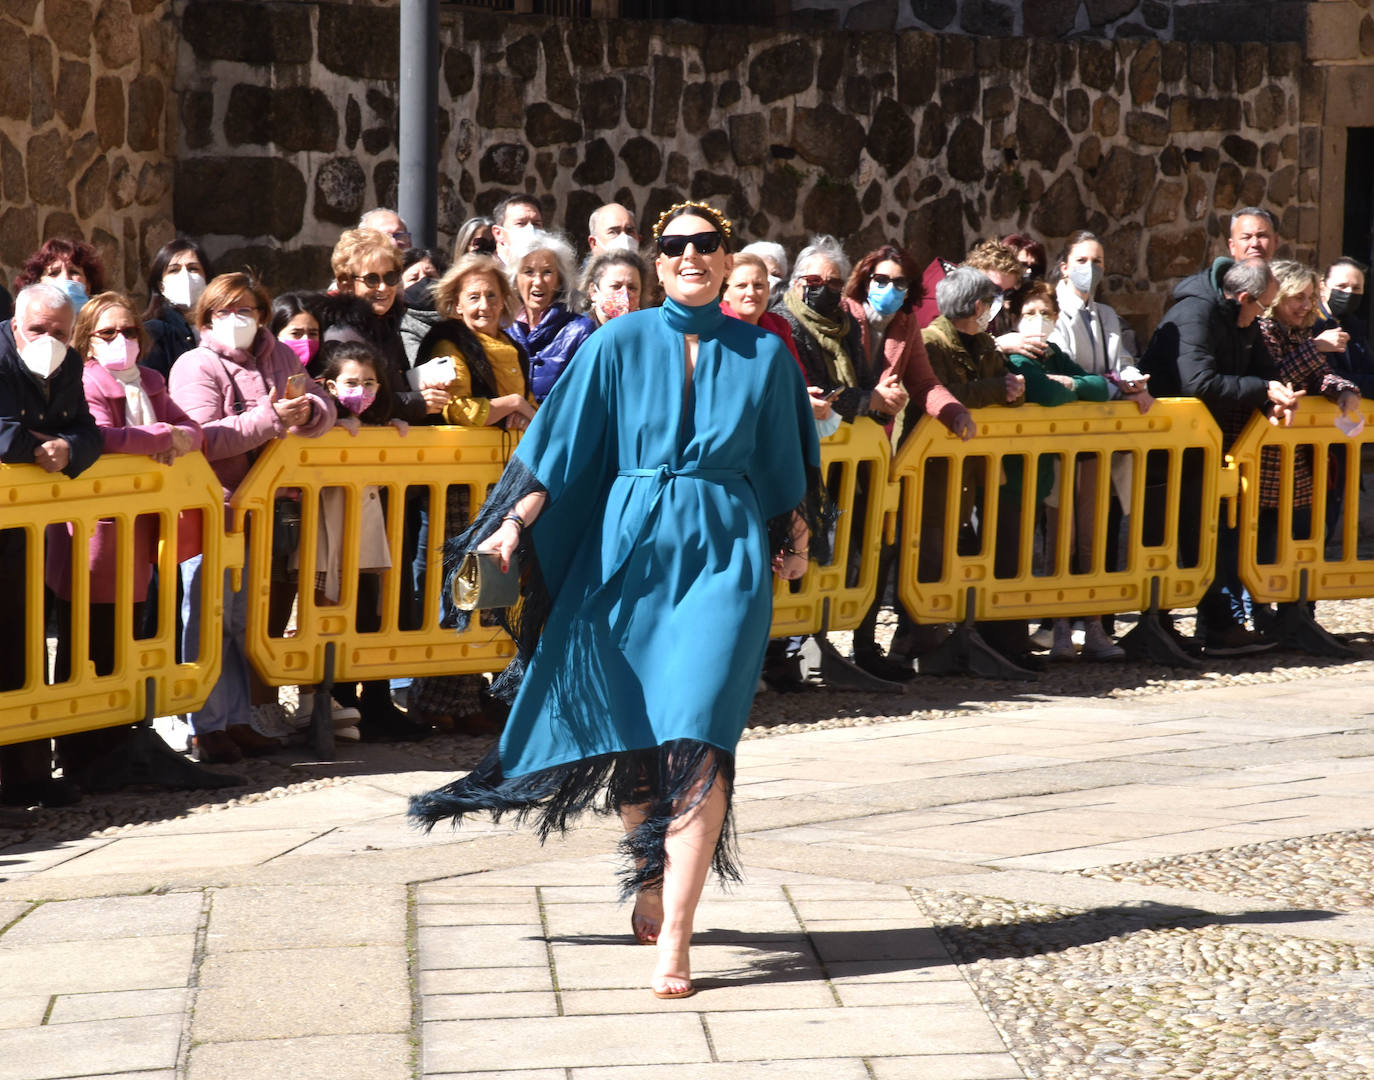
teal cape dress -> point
(647, 597)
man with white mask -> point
(44, 421)
(515, 215)
(612, 228)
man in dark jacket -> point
(44, 421)
(1208, 346)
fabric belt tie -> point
(661, 476)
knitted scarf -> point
(829, 335)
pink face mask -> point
(117, 355)
(614, 304)
(356, 399)
(305, 348)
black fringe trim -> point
(525, 621)
(817, 509)
(668, 781)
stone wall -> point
(289, 131)
(1165, 20)
(84, 129)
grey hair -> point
(959, 293)
(766, 249)
(529, 241)
(1255, 211)
(44, 297)
(362, 221)
(1247, 276)
(827, 247)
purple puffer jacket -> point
(551, 345)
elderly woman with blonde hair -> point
(367, 265)
(487, 385)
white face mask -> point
(43, 355)
(985, 320)
(236, 330)
(622, 242)
(1036, 326)
(182, 288)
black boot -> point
(382, 721)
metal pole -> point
(418, 194)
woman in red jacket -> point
(879, 297)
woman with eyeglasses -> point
(880, 298)
(130, 405)
(541, 270)
(652, 500)
(369, 266)
(236, 385)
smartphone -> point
(835, 394)
(295, 385)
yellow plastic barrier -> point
(427, 458)
(1172, 426)
(1302, 564)
(118, 488)
(855, 460)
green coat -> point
(1042, 390)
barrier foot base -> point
(322, 714)
(1151, 641)
(1295, 627)
(843, 674)
(144, 758)
(965, 652)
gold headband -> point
(722, 222)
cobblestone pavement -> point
(963, 882)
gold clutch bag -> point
(479, 584)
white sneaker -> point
(342, 715)
(272, 720)
(1098, 644)
(1063, 648)
(1043, 638)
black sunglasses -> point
(676, 245)
(391, 278)
(882, 280)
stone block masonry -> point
(263, 128)
(87, 129)
(289, 131)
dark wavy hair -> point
(156, 304)
(333, 354)
(1020, 243)
(288, 305)
(856, 288)
(76, 252)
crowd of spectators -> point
(479, 337)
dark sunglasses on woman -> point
(882, 280)
(391, 279)
(676, 245)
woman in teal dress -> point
(672, 470)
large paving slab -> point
(907, 880)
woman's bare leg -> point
(691, 844)
(647, 916)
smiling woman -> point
(541, 272)
(655, 470)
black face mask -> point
(821, 299)
(1340, 302)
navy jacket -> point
(56, 407)
(1198, 351)
(550, 345)
(171, 337)
(1357, 362)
